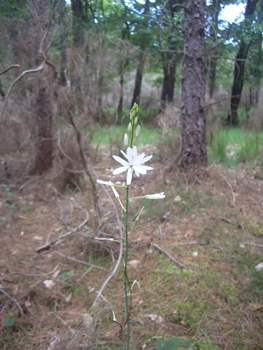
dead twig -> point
(15, 81)
(79, 261)
(120, 245)
(252, 244)
(170, 257)
(20, 311)
(7, 69)
(219, 246)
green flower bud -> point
(130, 127)
(137, 132)
(126, 140)
(136, 121)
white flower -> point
(135, 162)
(109, 183)
(155, 196)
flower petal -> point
(139, 159)
(119, 170)
(115, 192)
(139, 169)
(137, 174)
(134, 152)
(109, 183)
(120, 160)
(145, 167)
(129, 154)
(129, 176)
(125, 155)
(146, 159)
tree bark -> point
(213, 34)
(139, 71)
(42, 89)
(169, 60)
(239, 70)
(63, 68)
(193, 151)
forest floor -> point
(211, 221)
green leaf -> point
(9, 322)
(71, 273)
(173, 344)
(64, 276)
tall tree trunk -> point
(169, 60)
(239, 70)
(237, 87)
(77, 32)
(169, 70)
(138, 80)
(213, 34)
(194, 151)
(139, 71)
(63, 68)
(42, 89)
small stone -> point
(156, 318)
(195, 254)
(259, 267)
(134, 263)
(49, 284)
(177, 199)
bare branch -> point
(170, 257)
(120, 245)
(15, 81)
(7, 69)
(20, 311)
(78, 261)
(219, 246)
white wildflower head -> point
(155, 196)
(134, 162)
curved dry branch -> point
(7, 69)
(15, 81)
(99, 294)
(20, 311)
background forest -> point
(70, 72)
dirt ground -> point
(52, 266)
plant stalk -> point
(125, 270)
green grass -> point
(105, 135)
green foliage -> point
(9, 321)
(174, 344)
(67, 276)
(218, 146)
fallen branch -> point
(78, 261)
(219, 246)
(20, 311)
(170, 257)
(252, 244)
(48, 244)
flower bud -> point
(137, 132)
(136, 121)
(130, 127)
(126, 140)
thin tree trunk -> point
(237, 88)
(194, 151)
(139, 72)
(213, 33)
(138, 80)
(169, 69)
(239, 70)
(63, 68)
(43, 91)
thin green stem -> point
(125, 270)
